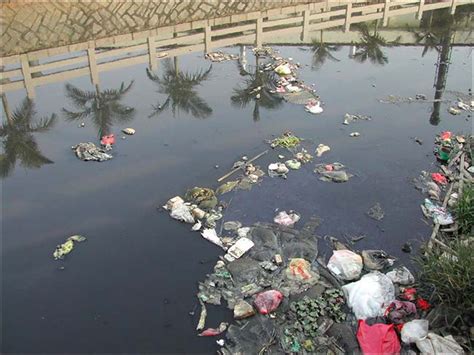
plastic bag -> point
(108, 140)
(210, 332)
(398, 311)
(434, 344)
(438, 213)
(401, 275)
(181, 212)
(378, 338)
(299, 269)
(286, 219)
(211, 235)
(370, 296)
(345, 264)
(266, 302)
(414, 330)
(377, 259)
(314, 107)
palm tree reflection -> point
(102, 107)
(370, 46)
(322, 52)
(17, 137)
(258, 87)
(180, 90)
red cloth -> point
(439, 178)
(378, 338)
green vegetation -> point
(450, 272)
(465, 211)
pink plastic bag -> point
(210, 332)
(446, 135)
(108, 140)
(266, 302)
(378, 338)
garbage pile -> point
(286, 299)
(284, 296)
(286, 82)
(90, 152)
(453, 153)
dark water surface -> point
(131, 285)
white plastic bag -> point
(414, 330)
(345, 264)
(370, 296)
(401, 275)
(286, 219)
(181, 213)
(211, 235)
(435, 344)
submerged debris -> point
(454, 111)
(321, 149)
(278, 169)
(63, 249)
(348, 118)
(129, 131)
(303, 156)
(286, 219)
(220, 56)
(376, 212)
(227, 187)
(90, 152)
(332, 172)
(293, 164)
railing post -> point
(25, 69)
(152, 53)
(259, 32)
(305, 32)
(207, 38)
(93, 64)
(347, 25)
(453, 7)
(420, 10)
(385, 12)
